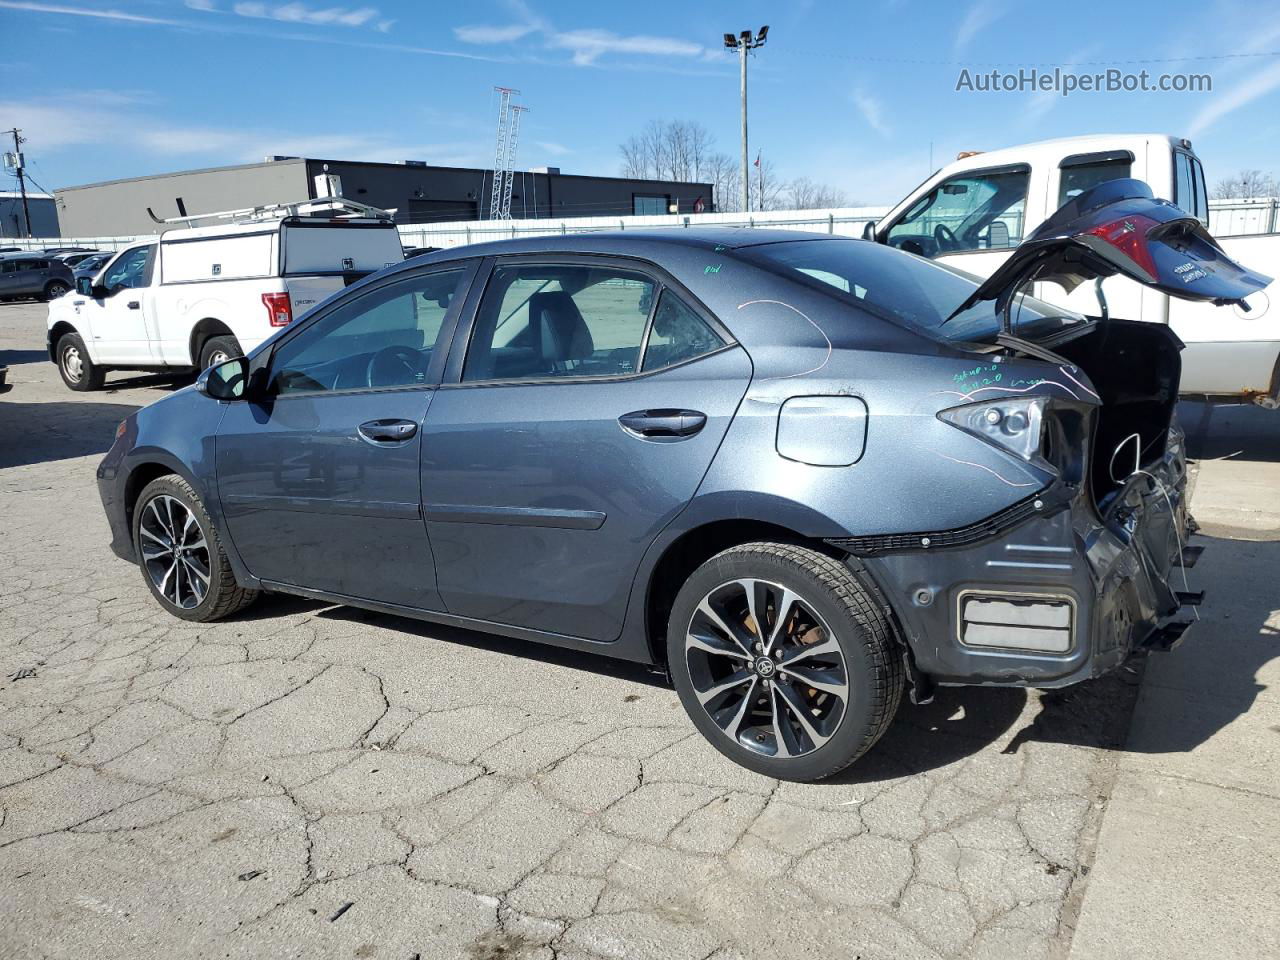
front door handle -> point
(663, 424)
(387, 432)
(134, 305)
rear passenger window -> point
(537, 322)
(1076, 178)
(678, 334)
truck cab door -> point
(116, 315)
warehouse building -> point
(418, 193)
(13, 215)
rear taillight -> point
(1013, 424)
(279, 310)
(1129, 236)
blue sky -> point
(855, 95)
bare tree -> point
(684, 150)
(804, 194)
(1246, 185)
(765, 188)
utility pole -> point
(18, 141)
(743, 43)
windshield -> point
(906, 289)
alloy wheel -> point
(766, 668)
(175, 552)
(57, 290)
(72, 363)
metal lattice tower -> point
(513, 137)
(502, 156)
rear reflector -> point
(1042, 624)
(279, 309)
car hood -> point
(1119, 227)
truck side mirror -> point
(84, 286)
(869, 231)
(226, 381)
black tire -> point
(832, 602)
(201, 601)
(54, 289)
(215, 347)
(78, 371)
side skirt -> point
(610, 648)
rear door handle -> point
(134, 305)
(663, 424)
(387, 432)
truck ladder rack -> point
(338, 205)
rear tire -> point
(800, 693)
(78, 371)
(219, 350)
(181, 557)
(55, 289)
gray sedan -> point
(802, 474)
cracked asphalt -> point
(315, 781)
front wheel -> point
(182, 559)
(783, 661)
(78, 371)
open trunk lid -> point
(1118, 227)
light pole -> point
(743, 43)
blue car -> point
(803, 474)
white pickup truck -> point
(972, 213)
(200, 295)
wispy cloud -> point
(586, 44)
(64, 125)
(482, 34)
(981, 15)
(301, 13)
(71, 11)
(589, 45)
(555, 149)
(872, 111)
(1255, 85)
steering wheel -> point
(394, 366)
(946, 239)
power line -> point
(1195, 58)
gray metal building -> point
(13, 221)
(417, 192)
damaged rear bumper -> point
(1047, 593)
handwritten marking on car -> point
(970, 463)
(811, 323)
(1067, 373)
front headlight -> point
(1015, 425)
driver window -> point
(131, 269)
(381, 339)
(978, 211)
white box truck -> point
(198, 295)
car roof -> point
(637, 243)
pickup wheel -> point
(78, 371)
(783, 660)
(219, 350)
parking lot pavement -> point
(306, 780)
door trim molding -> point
(515, 516)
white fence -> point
(1227, 218)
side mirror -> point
(226, 381)
(869, 231)
(84, 286)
